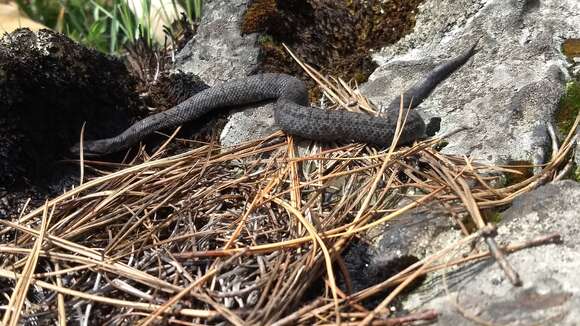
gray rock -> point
(507, 92)
(408, 237)
(248, 123)
(576, 173)
(219, 53)
(551, 285)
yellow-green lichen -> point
(492, 216)
(265, 40)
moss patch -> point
(334, 36)
(569, 108)
(492, 216)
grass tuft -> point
(105, 25)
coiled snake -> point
(291, 113)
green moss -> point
(265, 40)
(577, 173)
(569, 108)
(441, 145)
(492, 216)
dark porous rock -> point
(364, 271)
(550, 294)
(49, 86)
(408, 238)
(389, 249)
(171, 89)
(394, 246)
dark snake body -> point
(291, 113)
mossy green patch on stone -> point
(265, 39)
(492, 216)
(440, 145)
(569, 108)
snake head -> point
(93, 148)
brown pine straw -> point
(244, 234)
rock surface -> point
(507, 94)
(408, 237)
(511, 88)
(551, 288)
(219, 52)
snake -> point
(292, 113)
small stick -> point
(554, 139)
(497, 253)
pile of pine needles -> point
(243, 234)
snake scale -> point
(291, 112)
